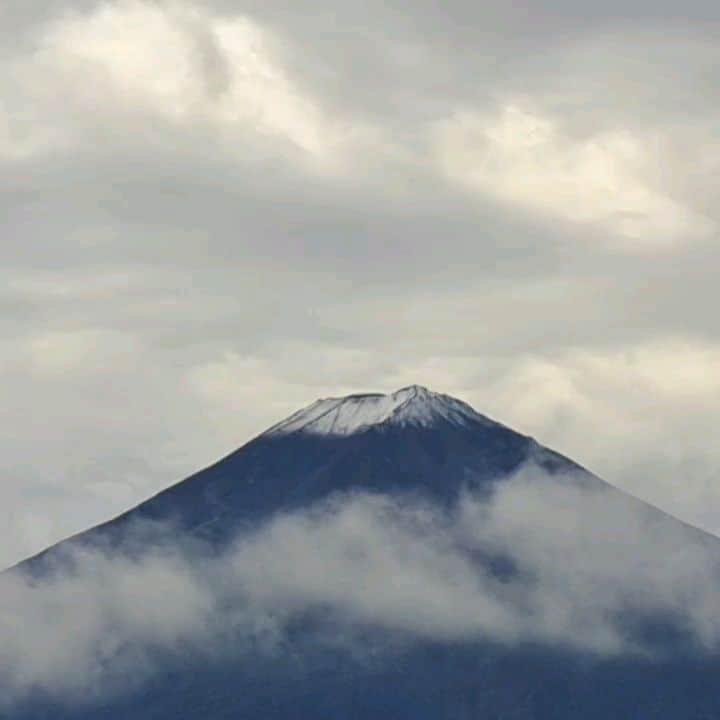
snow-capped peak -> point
(413, 405)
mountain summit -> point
(413, 405)
(379, 556)
(410, 441)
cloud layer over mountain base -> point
(544, 560)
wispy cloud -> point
(603, 180)
(582, 564)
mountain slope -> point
(412, 440)
(459, 527)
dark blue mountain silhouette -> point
(410, 443)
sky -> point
(213, 213)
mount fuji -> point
(378, 556)
(411, 440)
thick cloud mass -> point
(584, 559)
(214, 212)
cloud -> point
(280, 211)
(584, 563)
(59, 635)
(155, 64)
(598, 557)
(68, 351)
(586, 559)
(653, 399)
(520, 156)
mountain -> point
(412, 440)
(414, 559)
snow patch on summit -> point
(414, 405)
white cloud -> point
(131, 66)
(523, 156)
(81, 351)
(637, 415)
(587, 560)
(58, 634)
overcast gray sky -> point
(213, 213)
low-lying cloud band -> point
(578, 561)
